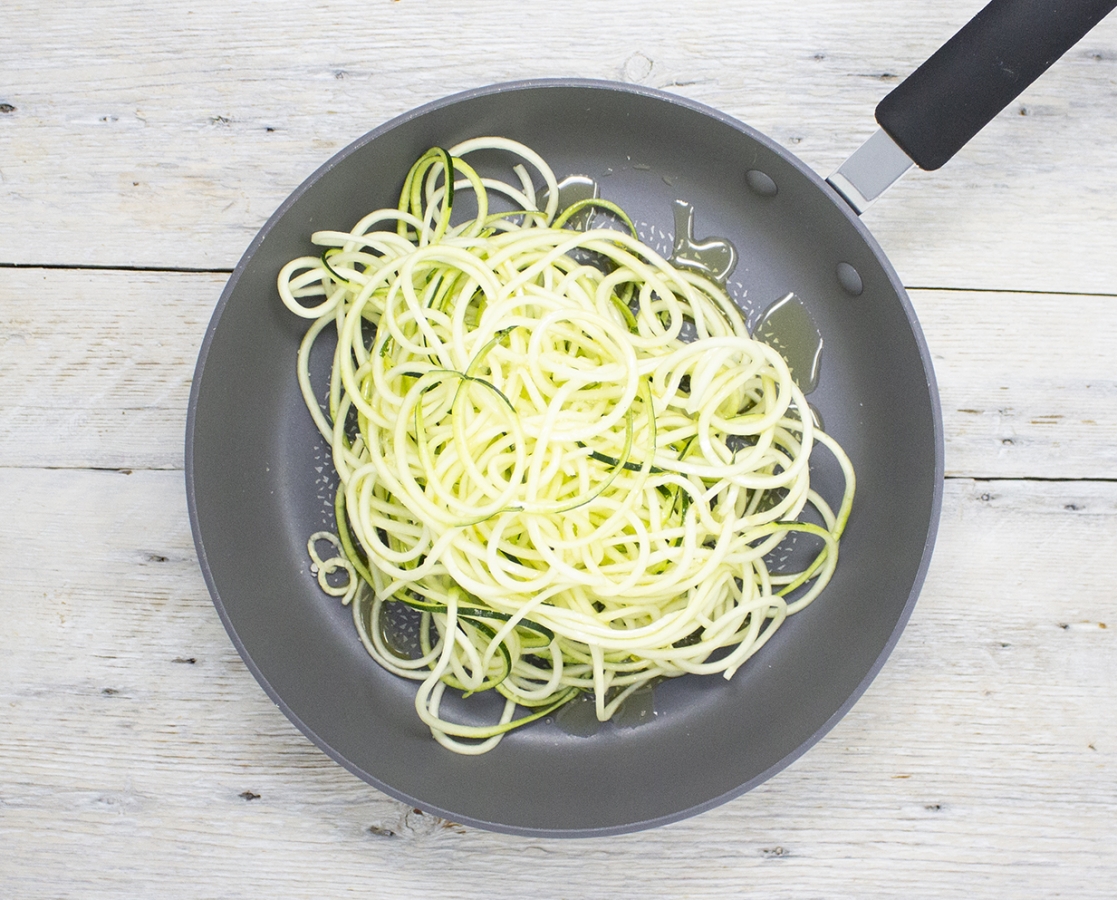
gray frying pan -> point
(259, 481)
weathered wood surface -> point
(141, 757)
(138, 757)
(165, 134)
(97, 367)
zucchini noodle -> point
(566, 454)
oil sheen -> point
(787, 326)
(573, 189)
(715, 257)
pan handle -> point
(979, 71)
(946, 101)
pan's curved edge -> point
(191, 422)
(936, 505)
(937, 487)
(886, 651)
(936, 499)
(189, 467)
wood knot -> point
(381, 831)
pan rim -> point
(535, 85)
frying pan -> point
(259, 479)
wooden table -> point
(142, 146)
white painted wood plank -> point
(96, 367)
(165, 135)
(1028, 382)
(95, 370)
(138, 757)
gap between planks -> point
(90, 267)
(191, 270)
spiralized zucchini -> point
(565, 452)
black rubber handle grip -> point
(979, 71)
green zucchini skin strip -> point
(494, 730)
(597, 203)
(470, 612)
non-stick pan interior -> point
(260, 481)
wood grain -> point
(165, 136)
(139, 756)
(99, 366)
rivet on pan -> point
(850, 279)
(761, 183)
